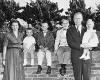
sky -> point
(65, 3)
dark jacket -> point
(47, 41)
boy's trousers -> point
(40, 56)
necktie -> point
(78, 30)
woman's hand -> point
(42, 48)
(3, 61)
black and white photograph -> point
(49, 39)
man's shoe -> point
(48, 70)
(39, 70)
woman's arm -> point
(5, 44)
(4, 52)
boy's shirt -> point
(61, 38)
(29, 41)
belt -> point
(14, 47)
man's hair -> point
(78, 13)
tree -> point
(79, 6)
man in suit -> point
(74, 38)
(46, 45)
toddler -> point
(89, 40)
(29, 46)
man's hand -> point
(45, 49)
(55, 51)
(82, 46)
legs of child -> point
(25, 58)
(85, 55)
(32, 61)
(32, 57)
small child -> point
(29, 46)
(89, 40)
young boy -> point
(29, 46)
(89, 40)
(46, 45)
(61, 47)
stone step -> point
(44, 68)
(33, 70)
(52, 76)
(62, 78)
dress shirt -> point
(44, 33)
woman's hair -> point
(14, 21)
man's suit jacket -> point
(74, 40)
(46, 41)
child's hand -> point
(25, 50)
(41, 47)
(21, 46)
(82, 45)
(45, 49)
(55, 51)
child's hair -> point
(90, 21)
(27, 30)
